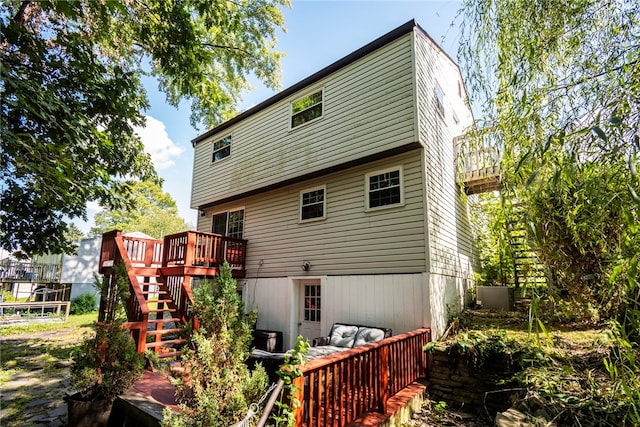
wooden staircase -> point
(158, 276)
(528, 271)
(163, 327)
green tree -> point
(490, 223)
(560, 86)
(559, 82)
(152, 212)
(72, 93)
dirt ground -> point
(432, 417)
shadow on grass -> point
(34, 371)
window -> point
(312, 303)
(221, 149)
(306, 109)
(384, 188)
(439, 99)
(312, 204)
(229, 223)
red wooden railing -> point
(116, 249)
(337, 389)
(191, 248)
(143, 252)
(186, 249)
(181, 295)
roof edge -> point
(324, 72)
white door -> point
(310, 309)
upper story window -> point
(384, 188)
(312, 204)
(439, 99)
(306, 109)
(229, 223)
(221, 149)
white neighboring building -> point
(79, 269)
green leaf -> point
(634, 195)
(532, 178)
(599, 133)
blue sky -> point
(318, 34)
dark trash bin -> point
(267, 340)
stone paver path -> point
(33, 387)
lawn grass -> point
(74, 321)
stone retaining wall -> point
(453, 380)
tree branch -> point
(26, 12)
(585, 79)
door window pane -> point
(236, 224)
(229, 223)
(312, 303)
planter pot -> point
(88, 413)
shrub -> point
(217, 386)
(83, 304)
(106, 365)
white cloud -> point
(157, 143)
(93, 206)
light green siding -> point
(368, 108)
(349, 241)
(450, 237)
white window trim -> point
(366, 189)
(307, 93)
(324, 204)
(227, 211)
(213, 143)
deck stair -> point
(158, 274)
(528, 270)
(164, 328)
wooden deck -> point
(365, 386)
(478, 168)
(159, 274)
(338, 389)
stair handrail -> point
(137, 325)
(133, 280)
(112, 252)
(186, 303)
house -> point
(344, 188)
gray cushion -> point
(367, 335)
(343, 335)
(325, 350)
